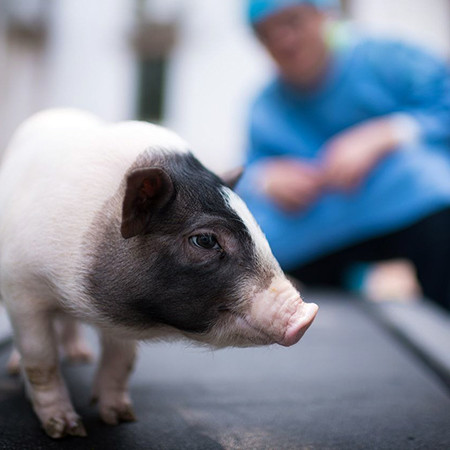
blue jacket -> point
(367, 79)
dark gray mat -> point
(424, 327)
(347, 385)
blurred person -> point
(348, 157)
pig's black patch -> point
(156, 277)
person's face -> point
(294, 37)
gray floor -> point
(347, 385)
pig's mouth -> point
(256, 336)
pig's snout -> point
(299, 323)
(281, 314)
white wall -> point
(90, 62)
(87, 62)
(20, 70)
(22, 91)
(426, 22)
(215, 70)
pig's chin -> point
(230, 330)
(235, 330)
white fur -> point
(62, 160)
(263, 252)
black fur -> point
(159, 277)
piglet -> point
(120, 226)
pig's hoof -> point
(78, 353)
(58, 427)
(114, 414)
(76, 428)
(13, 366)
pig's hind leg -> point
(111, 382)
(74, 345)
(13, 365)
(36, 342)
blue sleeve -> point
(258, 142)
(421, 83)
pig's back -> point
(58, 172)
(64, 145)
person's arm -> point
(352, 154)
(421, 83)
(290, 183)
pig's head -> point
(177, 249)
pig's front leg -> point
(35, 340)
(111, 383)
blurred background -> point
(192, 65)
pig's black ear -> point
(232, 177)
(147, 191)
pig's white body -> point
(67, 161)
(68, 184)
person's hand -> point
(351, 155)
(291, 184)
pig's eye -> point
(205, 241)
